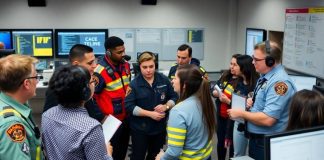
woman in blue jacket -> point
(148, 99)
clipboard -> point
(239, 102)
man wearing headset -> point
(268, 108)
(113, 76)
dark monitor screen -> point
(319, 89)
(303, 82)
(5, 38)
(254, 36)
(156, 59)
(6, 52)
(66, 38)
(295, 145)
(33, 42)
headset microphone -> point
(127, 57)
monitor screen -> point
(66, 38)
(35, 42)
(303, 82)
(254, 36)
(5, 38)
(295, 145)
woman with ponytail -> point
(192, 121)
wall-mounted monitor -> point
(33, 42)
(298, 144)
(303, 82)
(66, 38)
(254, 36)
(5, 38)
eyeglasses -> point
(257, 59)
(37, 77)
(94, 82)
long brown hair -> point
(306, 110)
(192, 82)
(228, 76)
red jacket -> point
(112, 85)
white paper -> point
(238, 102)
(110, 126)
(218, 90)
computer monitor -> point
(303, 82)
(295, 145)
(319, 89)
(6, 52)
(156, 59)
(33, 42)
(253, 37)
(5, 38)
(66, 38)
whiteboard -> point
(303, 48)
(163, 41)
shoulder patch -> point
(16, 132)
(128, 91)
(281, 88)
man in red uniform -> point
(113, 76)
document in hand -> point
(239, 102)
(110, 126)
(218, 90)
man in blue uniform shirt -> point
(184, 56)
(268, 108)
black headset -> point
(86, 91)
(269, 60)
(150, 53)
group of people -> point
(151, 107)
(272, 106)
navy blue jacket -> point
(147, 97)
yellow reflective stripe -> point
(183, 157)
(8, 111)
(202, 69)
(176, 136)
(201, 151)
(175, 143)
(176, 130)
(172, 77)
(38, 153)
(117, 84)
(99, 69)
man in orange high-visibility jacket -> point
(113, 76)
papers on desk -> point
(110, 126)
(218, 90)
(238, 102)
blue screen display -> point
(66, 39)
(5, 37)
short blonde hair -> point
(14, 69)
(146, 56)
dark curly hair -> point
(69, 84)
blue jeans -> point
(256, 148)
(240, 142)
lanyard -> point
(258, 87)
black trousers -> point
(146, 145)
(120, 141)
(221, 133)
